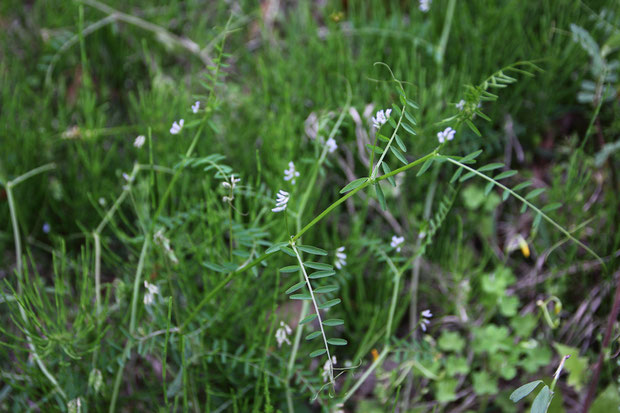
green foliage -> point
(158, 278)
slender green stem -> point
(529, 204)
(31, 173)
(445, 34)
(367, 373)
(97, 240)
(396, 281)
(136, 285)
(132, 324)
(387, 147)
(359, 188)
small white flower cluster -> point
(381, 117)
(176, 127)
(396, 242)
(327, 368)
(425, 5)
(151, 291)
(231, 186)
(425, 319)
(196, 107)
(341, 258)
(446, 135)
(139, 142)
(160, 239)
(460, 105)
(282, 334)
(281, 201)
(291, 174)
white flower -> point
(195, 107)
(160, 239)
(341, 258)
(139, 141)
(102, 201)
(291, 174)
(460, 105)
(281, 201)
(127, 177)
(176, 127)
(425, 5)
(396, 241)
(327, 368)
(282, 334)
(152, 291)
(331, 145)
(446, 135)
(230, 185)
(380, 118)
(424, 319)
(233, 182)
